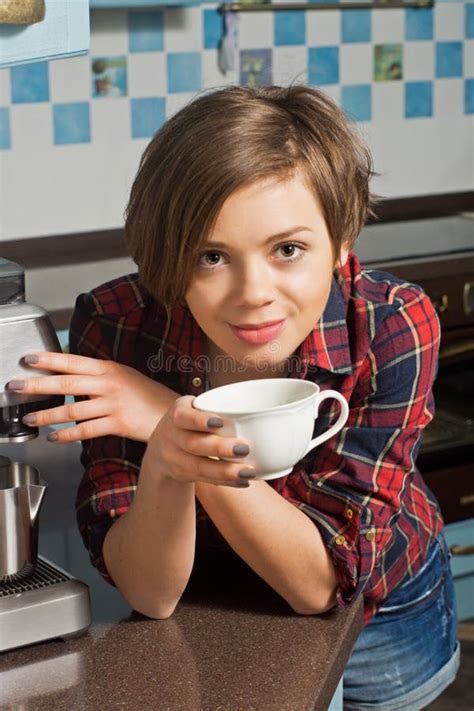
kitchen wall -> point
(72, 131)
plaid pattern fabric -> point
(376, 343)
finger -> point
(86, 430)
(187, 417)
(211, 471)
(61, 384)
(71, 412)
(201, 444)
(68, 363)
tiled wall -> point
(72, 131)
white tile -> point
(212, 75)
(387, 101)
(469, 58)
(183, 29)
(323, 28)
(147, 74)
(290, 65)
(418, 61)
(31, 129)
(175, 102)
(5, 90)
(109, 33)
(449, 21)
(448, 97)
(388, 26)
(355, 63)
(333, 91)
(255, 30)
(70, 79)
(110, 120)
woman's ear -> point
(343, 254)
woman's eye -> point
(292, 256)
(210, 255)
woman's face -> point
(249, 272)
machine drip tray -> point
(47, 604)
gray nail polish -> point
(247, 474)
(215, 422)
(29, 419)
(240, 450)
(241, 484)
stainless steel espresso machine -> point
(38, 600)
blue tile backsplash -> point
(418, 99)
(30, 83)
(356, 25)
(185, 72)
(289, 28)
(92, 116)
(71, 123)
(145, 31)
(147, 115)
(323, 65)
(419, 23)
(5, 137)
(449, 59)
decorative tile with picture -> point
(255, 67)
(109, 76)
(388, 62)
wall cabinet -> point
(64, 32)
(97, 4)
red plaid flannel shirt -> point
(377, 343)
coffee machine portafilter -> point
(38, 600)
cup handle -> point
(340, 422)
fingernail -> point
(16, 384)
(240, 450)
(31, 358)
(29, 419)
(241, 484)
(52, 437)
(247, 474)
(215, 422)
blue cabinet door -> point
(142, 3)
(460, 536)
(64, 32)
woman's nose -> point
(255, 286)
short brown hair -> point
(226, 139)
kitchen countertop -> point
(232, 643)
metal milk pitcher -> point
(21, 494)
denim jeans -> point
(408, 653)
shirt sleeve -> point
(355, 484)
(111, 464)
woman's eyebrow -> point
(280, 235)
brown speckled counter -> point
(232, 642)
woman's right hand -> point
(183, 441)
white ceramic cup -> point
(276, 416)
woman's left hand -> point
(122, 401)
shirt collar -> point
(325, 347)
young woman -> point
(241, 220)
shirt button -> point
(349, 513)
(370, 535)
(339, 540)
(197, 382)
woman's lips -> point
(259, 335)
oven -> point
(446, 457)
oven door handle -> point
(461, 550)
